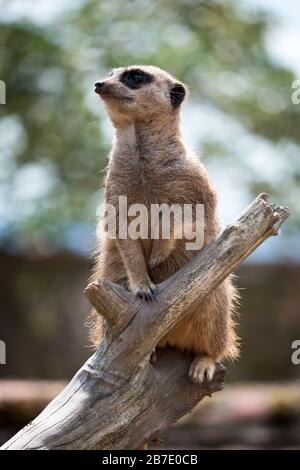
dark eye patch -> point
(135, 78)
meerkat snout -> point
(99, 86)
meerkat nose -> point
(99, 86)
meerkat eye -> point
(135, 78)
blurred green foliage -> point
(216, 47)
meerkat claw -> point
(202, 369)
(147, 294)
(153, 293)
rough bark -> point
(119, 399)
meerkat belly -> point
(147, 248)
(184, 336)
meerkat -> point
(150, 163)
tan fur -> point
(151, 163)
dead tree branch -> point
(118, 399)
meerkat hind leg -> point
(202, 367)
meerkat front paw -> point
(146, 290)
(202, 367)
(146, 293)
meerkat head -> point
(140, 92)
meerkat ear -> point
(177, 94)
